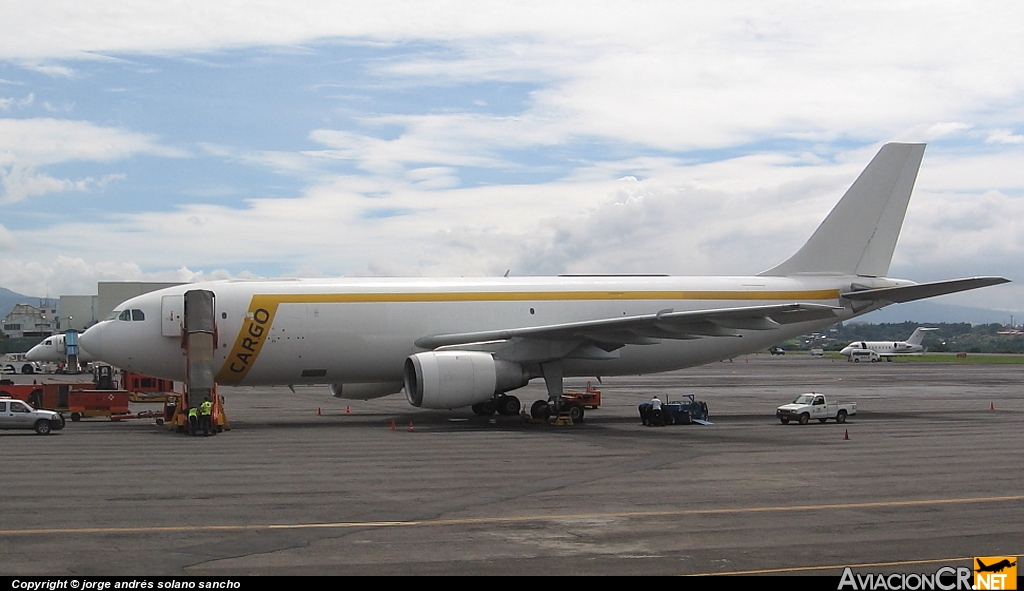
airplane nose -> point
(92, 340)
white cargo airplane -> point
(887, 349)
(466, 342)
(52, 349)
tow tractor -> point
(685, 412)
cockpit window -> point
(129, 315)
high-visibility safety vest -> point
(204, 408)
(193, 412)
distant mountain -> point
(925, 312)
(9, 299)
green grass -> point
(1004, 358)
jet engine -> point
(365, 391)
(453, 379)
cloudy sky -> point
(196, 140)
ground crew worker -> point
(656, 418)
(193, 420)
(204, 415)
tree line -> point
(959, 337)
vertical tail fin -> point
(859, 236)
(918, 336)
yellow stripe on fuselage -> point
(263, 307)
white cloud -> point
(290, 163)
(1004, 136)
(73, 275)
(453, 140)
(7, 103)
(48, 141)
(974, 172)
(927, 132)
(662, 74)
(7, 240)
(21, 182)
(26, 145)
(49, 69)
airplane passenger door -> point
(172, 308)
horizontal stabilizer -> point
(920, 291)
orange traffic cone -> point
(318, 413)
(991, 405)
(347, 409)
(846, 437)
(392, 425)
(410, 426)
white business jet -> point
(875, 350)
(453, 343)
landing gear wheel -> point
(540, 410)
(484, 409)
(508, 405)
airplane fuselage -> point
(361, 330)
(911, 346)
(52, 349)
(883, 348)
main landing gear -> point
(503, 404)
(544, 410)
(506, 405)
(555, 405)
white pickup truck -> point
(814, 406)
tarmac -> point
(929, 476)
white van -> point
(866, 354)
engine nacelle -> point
(365, 391)
(453, 379)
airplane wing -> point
(910, 293)
(610, 334)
